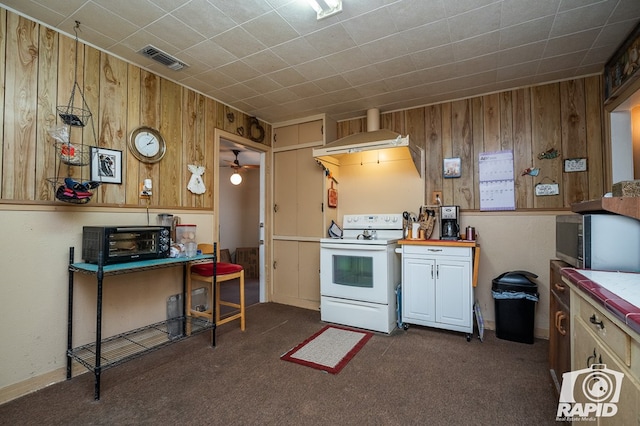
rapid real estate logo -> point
(589, 393)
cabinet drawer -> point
(428, 250)
(611, 335)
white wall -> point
(239, 210)
(621, 147)
(34, 255)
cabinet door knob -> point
(560, 287)
(561, 316)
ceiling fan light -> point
(325, 8)
(235, 178)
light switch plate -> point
(543, 189)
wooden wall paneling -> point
(150, 115)
(433, 150)
(447, 152)
(491, 123)
(522, 155)
(545, 133)
(192, 142)
(170, 182)
(46, 113)
(129, 163)
(462, 147)
(595, 138)
(3, 44)
(113, 115)
(506, 121)
(91, 133)
(394, 121)
(20, 109)
(477, 129)
(209, 152)
(415, 128)
(575, 185)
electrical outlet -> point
(436, 197)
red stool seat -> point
(222, 268)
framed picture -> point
(106, 165)
(451, 168)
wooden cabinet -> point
(559, 325)
(437, 288)
(301, 216)
(604, 347)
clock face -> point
(147, 144)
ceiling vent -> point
(162, 57)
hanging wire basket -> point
(73, 116)
(73, 155)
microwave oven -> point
(601, 241)
(119, 244)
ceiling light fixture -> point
(235, 178)
(325, 8)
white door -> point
(453, 292)
(418, 292)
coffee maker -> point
(450, 222)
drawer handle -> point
(594, 357)
(560, 287)
(434, 250)
(593, 320)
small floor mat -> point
(330, 349)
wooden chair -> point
(224, 272)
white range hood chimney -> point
(374, 138)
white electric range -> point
(360, 271)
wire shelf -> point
(73, 155)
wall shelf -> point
(626, 206)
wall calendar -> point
(497, 188)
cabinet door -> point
(418, 289)
(453, 292)
(309, 194)
(588, 351)
(285, 218)
(311, 131)
(285, 271)
(309, 271)
(285, 136)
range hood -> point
(374, 138)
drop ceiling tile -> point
(476, 46)
(427, 36)
(347, 60)
(296, 51)
(582, 18)
(330, 40)
(625, 10)
(414, 13)
(145, 13)
(318, 68)
(210, 53)
(402, 65)
(265, 62)
(333, 83)
(65, 7)
(385, 48)
(203, 17)
(263, 84)
(475, 23)
(610, 35)
(167, 26)
(516, 12)
(239, 42)
(457, 7)
(287, 77)
(243, 11)
(526, 33)
(362, 75)
(370, 26)
(306, 90)
(39, 12)
(216, 78)
(563, 62)
(270, 29)
(521, 54)
(571, 43)
(101, 20)
(240, 91)
(239, 70)
(432, 57)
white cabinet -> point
(437, 288)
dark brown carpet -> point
(414, 377)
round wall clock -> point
(147, 144)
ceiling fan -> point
(235, 164)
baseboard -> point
(34, 384)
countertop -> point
(617, 292)
(451, 243)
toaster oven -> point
(118, 244)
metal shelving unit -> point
(106, 353)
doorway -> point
(240, 209)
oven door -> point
(355, 272)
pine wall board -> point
(38, 74)
(565, 116)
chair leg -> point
(217, 305)
(242, 318)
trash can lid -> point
(515, 281)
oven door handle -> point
(352, 246)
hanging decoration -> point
(196, 185)
(544, 189)
(531, 171)
(548, 154)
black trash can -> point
(515, 297)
